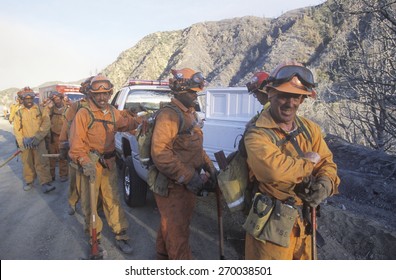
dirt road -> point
(36, 226)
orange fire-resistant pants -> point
(74, 191)
(176, 212)
(54, 149)
(105, 184)
(34, 164)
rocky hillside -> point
(228, 51)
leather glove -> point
(27, 142)
(35, 142)
(316, 192)
(196, 184)
(89, 170)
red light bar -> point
(147, 82)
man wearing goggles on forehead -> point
(292, 164)
(178, 154)
(92, 149)
(30, 128)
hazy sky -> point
(68, 40)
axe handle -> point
(10, 158)
(94, 237)
(313, 221)
(50, 155)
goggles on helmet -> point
(55, 93)
(196, 82)
(28, 95)
(100, 86)
(286, 73)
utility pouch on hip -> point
(259, 214)
(280, 224)
(157, 181)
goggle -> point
(196, 81)
(286, 73)
(28, 95)
(98, 85)
(54, 93)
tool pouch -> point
(259, 214)
(157, 181)
(280, 224)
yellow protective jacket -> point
(279, 169)
(87, 134)
(32, 122)
(178, 154)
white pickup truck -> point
(225, 112)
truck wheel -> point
(135, 189)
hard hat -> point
(55, 93)
(27, 92)
(100, 83)
(292, 77)
(257, 80)
(186, 79)
(84, 85)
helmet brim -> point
(290, 88)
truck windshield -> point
(144, 100)
(74, 96)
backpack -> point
(234, 181)
(145, 130)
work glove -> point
(211, 184)
(64, 150)
(316, 192)
(35, 142)
(89, 170)
(196, 183)
(27, 142)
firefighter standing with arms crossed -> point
(92, 148)
(31, 125)
(293, 166)
(178, 154)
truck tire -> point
(135, 189)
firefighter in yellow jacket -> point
(92, 148)
(293, 166)
(56, 113)
(177, 152)
(31, 125)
